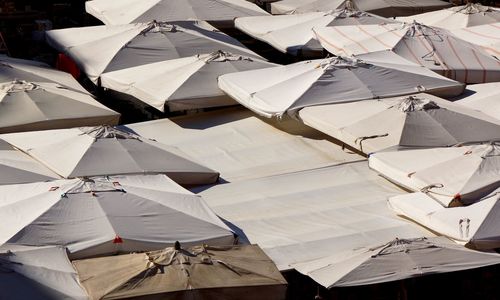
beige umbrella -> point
(201, 272)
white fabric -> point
(464, 173)
(482, 97)
(277, 90)
(38, 273)
(475, 225)
(307, 215)
(241, 146)
(374, 125)
(487, 36)
(144, 212)
(104, 150)
(471, 14)
(126, 11)
(434, 48)
(290, 33)
(386, 8)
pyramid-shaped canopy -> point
(293, 33)
(231, 272)
(104, 150)
(471, 14)
(30, 106)
(384, 8)
(483, 97)
(103, 215)
(452, 176)
(420, 120)
(398, 259)
(172, 65)
(43, 273)
(278, 90)
(432, 47)
(136, 11)
(17, 167)
(476, 225)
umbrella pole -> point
(403, 293)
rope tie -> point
(360, 140)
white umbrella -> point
(419, 120)
(293, 33)
(486, 36)
(34, 97)
(482, 97)
(166, 65)
(432, 47)
(104, 150)
(452, 176)
(396, 260)
(385, 8)
(476, 225)
(278, 90)
(104, 215)
(135, 11)
(38, 273)
(471, 14)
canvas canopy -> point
(475, 225)
(432, 47)
(293, 33)
(242, 146)
(43, 273)
(483, 97)
(396, 260)
(286, 89)
(166, 65)
(200, 272)
(104, 150)
(17, 167)
(304, 216)
(486, 36)
(471, 14)
(105, 215)
(453, 176)
(384, 8)
(419, 120)
(34, 97)
(135, 11)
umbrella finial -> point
(177, 246)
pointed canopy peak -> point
(403, 245)
(492, 150)
(413, 103)
(471, 8)
(93, 185)
(339, 62)
(107, 132)
(350, 5)
(415, 29)
(18, 86)
(347, 13)
(177, 255)
(155, 26)
(223, 56)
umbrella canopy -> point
(385, 8)
(17, 167)
(483, 97)
(419, 120)
(397, 260)
(172, 65)
(43, 273)
(104, 215)
(275, 91)
(104, 150)
(476, 225)
(471, 14)
(452, 176)
(201, 272)
(487, 36)
(293, 33)
(135, 11)
(434, 48)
